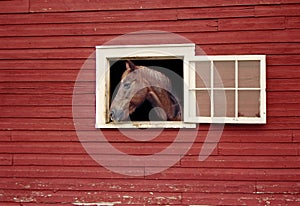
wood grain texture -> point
(44, 46)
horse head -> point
(130, 95)
(138, 84)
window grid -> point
(212, 107)
(236, 88)
(236, 109)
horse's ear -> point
(130, 65)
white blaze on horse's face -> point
(130, 95)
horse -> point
(139, 84)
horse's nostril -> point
(116, 115)
(112, 115)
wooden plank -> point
(290, 72)
(103, 198)
(39, 124)
(217, 3)
(79, 29)
(245, 136)
(81, 160)
(292, 22)
(216, 12)
(14, 6)
(45, 111)
(195, 174)
(256, 136)
(65, 172)
(38, 148)
(239, 161)
(287, 110)
(278, 10)
(230, 174)
(54, 160)
(6, 159)
(130, 148)
(35, 99)
(63, 89)
(73, 63)
(283, 60)
(235, 24)
(281, 122)
(47, 54)
(85, 5)
(296, 136)
(274, 36)
(45, 136)
(278, 187)
(257, 149)
(283, 97)
(63, 64)
(29, 99)
(53, 42)
(250, 48)
(239, 11)
(238, 199)
(283, 85)
(89, 17)
(122, 185)
(5, 136)
(81, 5)
(59, 75)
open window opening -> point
(144, 108)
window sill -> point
(148, 124)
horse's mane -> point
(156, 78)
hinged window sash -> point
(225, 89)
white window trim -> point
(190, 73)
(105, 53)
(186, 52)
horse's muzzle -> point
(116, 115)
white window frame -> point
(191, 105)
(186, 52)
(103, 56)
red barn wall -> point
(43, 47)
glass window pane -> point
(248, 103)
(224, 74)
(249, 74)
(203, 103)
(224, 107)
(202, 74)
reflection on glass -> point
(249, 74)
(203, 103)
(224, 102)
(224, 74)
(202, 74)
(248, 103)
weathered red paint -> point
(45, 43)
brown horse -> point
(139, 84)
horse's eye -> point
(127, 85)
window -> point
(227, 89)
